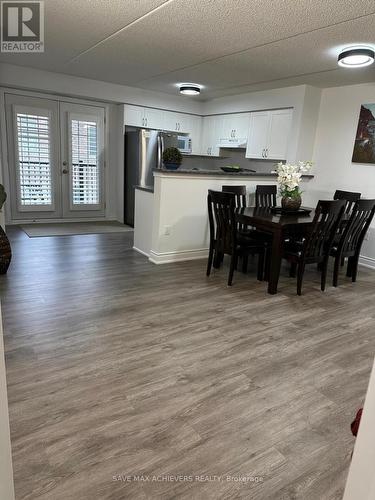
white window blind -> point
(33, 134)
(85, 165)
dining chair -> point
(239, 192)
(225, 239)
(350, 242)
(316, 246)
(349, 197)
(265, 196)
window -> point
(85, 168)
(33, 139)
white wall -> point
(333, 168)
(59, 83)
(6, 470)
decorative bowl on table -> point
(231, 168)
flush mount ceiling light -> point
(356, 57)
(190, 89)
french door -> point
(56, 158)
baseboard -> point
(141, 251)
(168, 257)
(367, 262)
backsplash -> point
(230, 157)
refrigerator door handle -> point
(160, 150)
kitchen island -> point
(171, 223)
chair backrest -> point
(328, 215)
(354, 233)
(265, 196)
(349, 197)
(239, 192)
(221, 214)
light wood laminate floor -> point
(120, 368)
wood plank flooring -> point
(123, 375)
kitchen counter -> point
(220, 173)
(148, 189)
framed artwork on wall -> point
(364, 145)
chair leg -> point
(336, 271)
(261, 261)
(323, 278)
(355, 268)
(233, 260)
(349, 269)
(245, 260)
(300, 273)
(293, 269)
(210, 259)
(267, 264)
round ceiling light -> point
(356, 57)
(190, 89)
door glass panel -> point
(85, 163)
(34, 167)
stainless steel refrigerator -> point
(143, 153)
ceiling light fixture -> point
(356, 57)
(190, 89)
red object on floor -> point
(355, 424)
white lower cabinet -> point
(269, 133)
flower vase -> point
(291, 203)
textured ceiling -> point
(228, 46)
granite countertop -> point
(148, 189)
(245, 173)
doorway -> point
(56, 158)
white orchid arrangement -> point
(289, 177)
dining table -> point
(278, 225)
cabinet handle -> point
(266, 152)
(179, 126)
(146, 122)
(263, 153)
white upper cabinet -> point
(269, 134)
(280, 123)
(234, 126)
(258, 134)
(134, 116)
(143, 117)
(154, 118)
(212, 128)
(196, 133)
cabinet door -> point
(240, 124)
(225, 126)
(207, 135)
(170, 121)
(134, 115)
(184, 123)
(258, 134)
(154, 118)
(278, 135)
(196, 134)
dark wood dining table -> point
(279, 226)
